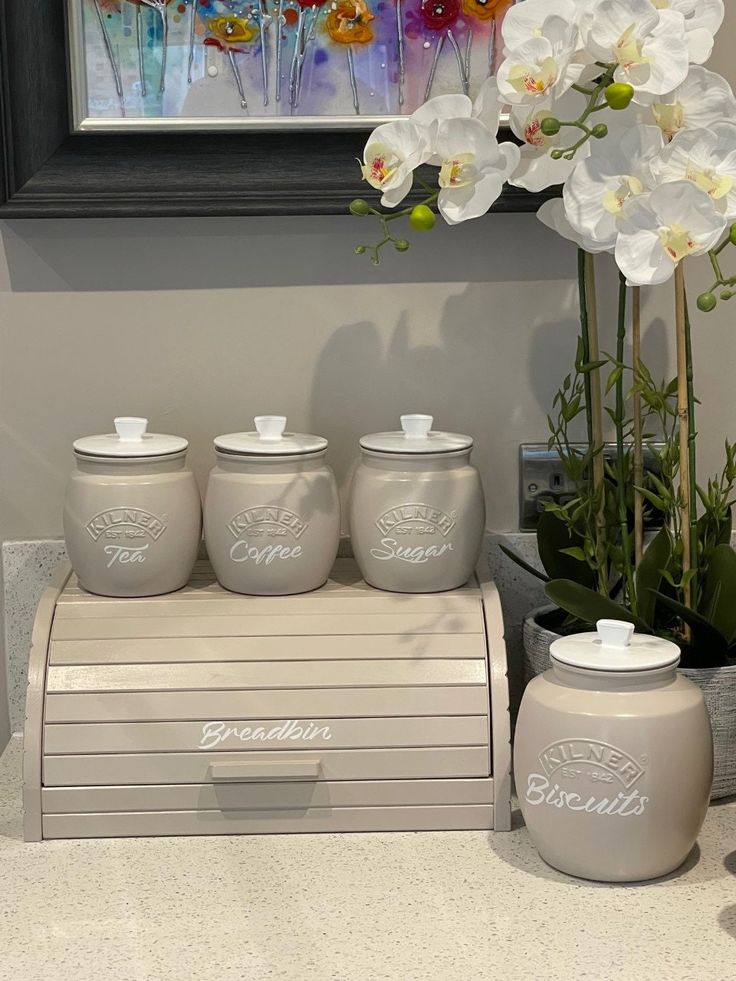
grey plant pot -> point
(718, 686)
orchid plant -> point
(610, 99)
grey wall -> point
(201, 324)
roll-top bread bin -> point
(132, 512)
(613, 756)
(206, 712)
(417, 511)
(272, 514)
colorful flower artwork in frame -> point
(238, 63)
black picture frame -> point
(48, 172)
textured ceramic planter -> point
(717, 684)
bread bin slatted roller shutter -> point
(206, 712)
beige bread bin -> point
(206, 712)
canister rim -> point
(614, 647)
(111, 447)
(270, 440)
(249, 445)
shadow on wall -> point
(90, 255)
(469, 375)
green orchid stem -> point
(583, 299)
(571, 151)
(628, 567)
(719, 248)
(385, 217)
(578, 125)
(721, 281)
(713, 256)
(594, 408)
(691, 434)
(593, 106)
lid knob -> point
(615, 633)
(415, 424)
(270, 428)
(130, 429)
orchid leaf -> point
(589, 606)
(720, 590)
(649, 574)
(553, 537)
(726, 529)
(523, 564)
(705, 635)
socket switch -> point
(542, 479)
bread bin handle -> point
(265, 770)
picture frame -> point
(224, 65)
(47, 171)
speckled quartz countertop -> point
(448, 906)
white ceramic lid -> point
(130, 439)
(270, 439)
(416, 436)
(615, 647)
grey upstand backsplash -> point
(27, 568)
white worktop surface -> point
(452, 906)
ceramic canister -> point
(417, 512)
(132, 512)
(613, 756)
(272, 514)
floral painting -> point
(235, 63)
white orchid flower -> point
(648, 46)
(488, 105)
(552, 214)
(703, 19)
(442, 107)
(541, 66)
(702, 100)
(658, 230)
(473, 171)
(486, 108)
(707, 157)
(537, 170)
(392, 153)
(600, 187)
(526, 20)
(436, 111)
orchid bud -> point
(550, 126)
(619, 95)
